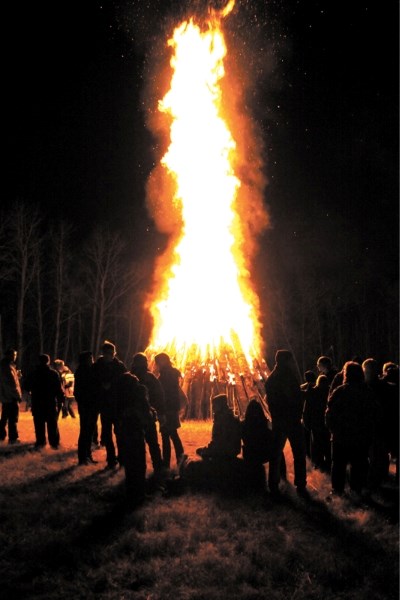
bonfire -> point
(204, 309)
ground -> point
(65, 533)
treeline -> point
(329, 291)
(61, 292)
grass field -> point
(65, 533)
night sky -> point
(328, 112)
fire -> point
(205, 304)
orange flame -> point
(204, 304)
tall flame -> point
(204, 303)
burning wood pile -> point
(228, 372)
(228, 375)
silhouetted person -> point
(350, 417)
(47, 396)
(256, 434)
(170, 378)
(156, 399)
(88, 409)
(315, 404)
(10, 396)
(339, 377)
(67, 384)
(257, 441)
(390, 375)
(132, 415)
(310, 379)
(285, 403)
(226, 432)
(325, 367)
(105, 371)
(379, 452)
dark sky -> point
(329, 115)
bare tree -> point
(21, 253)
(108, 275)
(61, 260)
(4, 265)
(39, 298)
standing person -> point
(67, 384)
(285, 403)
(132, 416)
(105, 371)
(47, 396)
(314, 421)
(87, 408)
(350, 417)
(170, 378)
(379, 452)
(310, 380)
(338, 378)
(10, 396)
(307, 389)
(390, 376)
(156, 399)
(325, 367)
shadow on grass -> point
(18, 489)
(24, 488)
(9, 450)
(357, 550)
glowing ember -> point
(204, 306)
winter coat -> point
(331, 375)
(10, 388)
(170, 381)
(314, 408)
(84, 388)
(284, 397)
(226, 435)
(67, 381)
(105, 373)
(257, 439)
(391, 417)
(45, 388)
(154, 388)
(351, 414)
(131, 408)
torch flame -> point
(204, 304)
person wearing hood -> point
(226, 432)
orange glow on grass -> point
(204, 302)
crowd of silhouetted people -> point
(344, 422)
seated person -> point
(256, 433)
(226, 432)
(257, 437)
